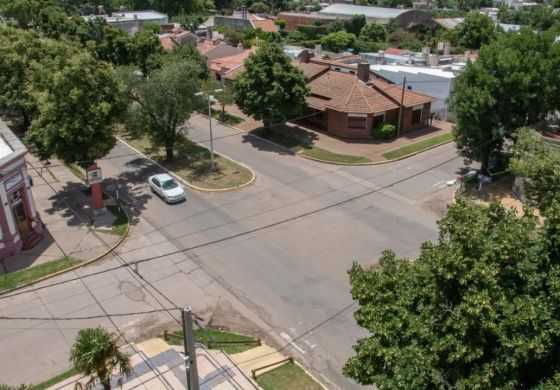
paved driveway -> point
(279, 251)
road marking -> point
(310, 344)
(287, 337)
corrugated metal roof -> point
(369, 12)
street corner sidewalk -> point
(157, 365)
(71, 229)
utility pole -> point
(212, 166)
(401, 109)
(190, 352)
(210, 98)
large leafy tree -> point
(373, 32)
(478, 309)
(78, 105)
(537, 162)
(514, 83)
(162, 103)
(95, 353)
(338, 41)
(476, 30)
(270, 89)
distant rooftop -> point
(414, 70)
(145, 16)
(369, 12)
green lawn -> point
(418, 146)
(326, 155)
(300, 141)
(192, 163)
(24, 276)
(229, 119)
(289, 376)
(217, 339)
(120, 224)
(53, 381)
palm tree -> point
(95, 353)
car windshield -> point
(169, 184)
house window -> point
(416, 116)
(356, 122)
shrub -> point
(385, 131)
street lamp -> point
(210, 99)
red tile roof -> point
(267, 25)
(344, 92)
(395, 92)
(225, 64)
(395, 51)
(309, 69)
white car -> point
(167, 187)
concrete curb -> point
(310, 374)
(382, 162)
(75, 267)
(300, 153)
(190, 185)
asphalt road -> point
(280, 247)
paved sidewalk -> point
(65, 210)
(157, 365)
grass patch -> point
(24, 276)
(418, 146)
(214, 338)
(287, 377)
(298, 140)
(326, 155)
(228, 118)
(120, 224)
(78, 171)
(192, 163)
(54, 380)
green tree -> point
(147, 51)
(78, 104)
(538, 164)
(373, 32)
(476, 30)
(95, 353)
(270, 89)
(259, 8)
(163, 102)
(338, 41)
(355, 24)
(514, 83)
(478, 309)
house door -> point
(20, 218)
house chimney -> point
(363, 71)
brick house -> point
(351, 102)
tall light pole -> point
(210, 99)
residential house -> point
(173, 35)
(20, 224)
(350, 101)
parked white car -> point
(167, 187)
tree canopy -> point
(338, 41)
(78, 105)
(479, 308)
(162, 103)
(476, 30)
(270, 89)
(538, 164)
(514, 83)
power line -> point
(236, 235)
(92, 317)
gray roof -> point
(369, 12)
(451, 23)
(222, 50)
(144, 16)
